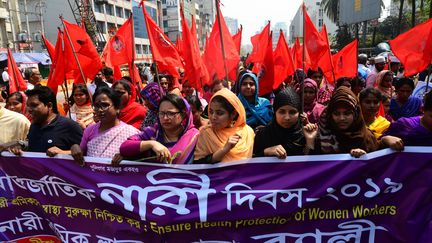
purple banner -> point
(385, 196)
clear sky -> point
(253, 14)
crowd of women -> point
(177, 124)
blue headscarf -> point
(259, 112)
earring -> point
(232, 124)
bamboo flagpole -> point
(73, 49)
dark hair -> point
(342, 80)
(127, 78)
(311, 72)
(125, 84)
(18, 96)
(194, 101)
(28, 72)
(113, 95)
(370, 91)
(82, 88)
(176, 101)
(225, 104)
(45, 95)
(107, 71)
(404, 81)
(169, 78)
(427, 102)
(358, 81)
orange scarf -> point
(210, 140)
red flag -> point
(297, 54)
(266, 69)
(163, 50)
(119, 49)
(414, 48)
(57, 73)
(86, 52)
(195, 70)
(179, 45)
(16, 80)
(237, 38)
(326, 61)
(315, 45)
(213, 57)
(49, 46)
(259, 43)
(283, 62)
(345, 61)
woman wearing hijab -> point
(384, 83)
(132, 112)
(342, 128)
(171, 140)
(312, 108)
(285, 135)
(404, 104)
(17, 102)
(152, 96)
(258, 109)
(227, 137)
(370, 100)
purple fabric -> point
(409, 109)
(385, 199)
(410, 131)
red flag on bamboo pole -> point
(326, 61)
(237, 38)
(283, 62)
(315, 44)
(265, 69)
(297, 54)
(85, 51)
(16, 80)
(195, 70)
(213, 56)
(345, 61)
(414, 48)
(49, 46)
(164, 53)
(119, 50)
(260, 44)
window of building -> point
(127, 13)
(119, 12)
(164, 11)
(109, 9)
(320, 12)
(98, 8)
(320, 22)
(102, 27)
(138, 49)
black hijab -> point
(292, 139)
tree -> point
(400, 16)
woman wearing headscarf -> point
(132, 112)
(342, 128)
(152, 96)
(312, 108)
(227, 137)
(285, 135)
(384, 83)
(258, 110)
(370, 100)
(17, 102)
(81, 110)
(171, 140)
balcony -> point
(4, 13)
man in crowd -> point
(363, 70)
(380, 63)
(108, 75)
(49, 132)
(34, 78)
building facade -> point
(318, 16)
(10, 24)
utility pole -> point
(27, 23)
(12, 25)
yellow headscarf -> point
(210, 140)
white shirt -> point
(5, 76)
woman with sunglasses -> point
(104, 138)
(171, 140)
